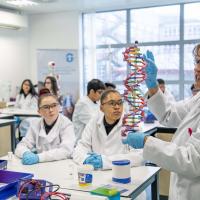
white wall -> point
(14, 57)
(53, 31)
(46, 31)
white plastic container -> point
(121, 171)
(85, 175)
(10, 155)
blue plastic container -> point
(9, 181)
(3, 164)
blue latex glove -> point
(135, 140)
(29, 158)
(95, 160)
(151, 70)
(17, 120)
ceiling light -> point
(45, 1)
(22, 3)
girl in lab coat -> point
(27, 97)
(51, 84)
(50, 137)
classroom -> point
(99, 99)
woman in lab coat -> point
(27, 97)
(48, 138)
(101, 138)
(182, 155)
(52, 84)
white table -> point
(58, 172)
(6, 116)
(19, 112)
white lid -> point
(85, 168)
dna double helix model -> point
(132, 93)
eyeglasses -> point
(26, 84)
(47, 107)
(113, 103)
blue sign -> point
(69, 57)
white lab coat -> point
(169, 96)
(95, 139)
(58, 144)
(30, 102)
(182, 155)
(85, 108)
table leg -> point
(155, 188)
(13, 139)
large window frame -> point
(181, 42)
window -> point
(110, 65)
(166, 59)
(188, 62)
(192, 21)
(107, 34)
(156, 20)
(110, 27)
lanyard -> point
(190, 131)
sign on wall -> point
(66, 67)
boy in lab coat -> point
(101, 139)
(87, 106)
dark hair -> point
(54, 84)
(106, 93)
(192, 87)
(44, 92)
(95, 84)
(195, 51)
(112, 85)
(32, 89)
(160, 81)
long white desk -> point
(19, 112)
(6, 116)
(58, 172)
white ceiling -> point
(89, 5)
